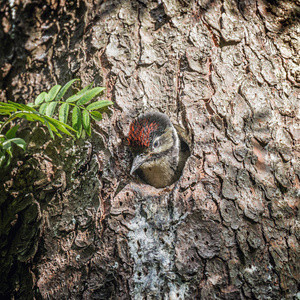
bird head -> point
(151, 137)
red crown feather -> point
(139, 133)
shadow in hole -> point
(278, 9)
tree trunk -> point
(76, 225)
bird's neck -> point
(160, 173)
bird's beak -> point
(137, 162)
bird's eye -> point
(155, 145)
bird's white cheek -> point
(164, 146)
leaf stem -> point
(12, 117)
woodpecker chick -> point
(155, 145)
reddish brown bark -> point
(226, 71)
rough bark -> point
(227, 71)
